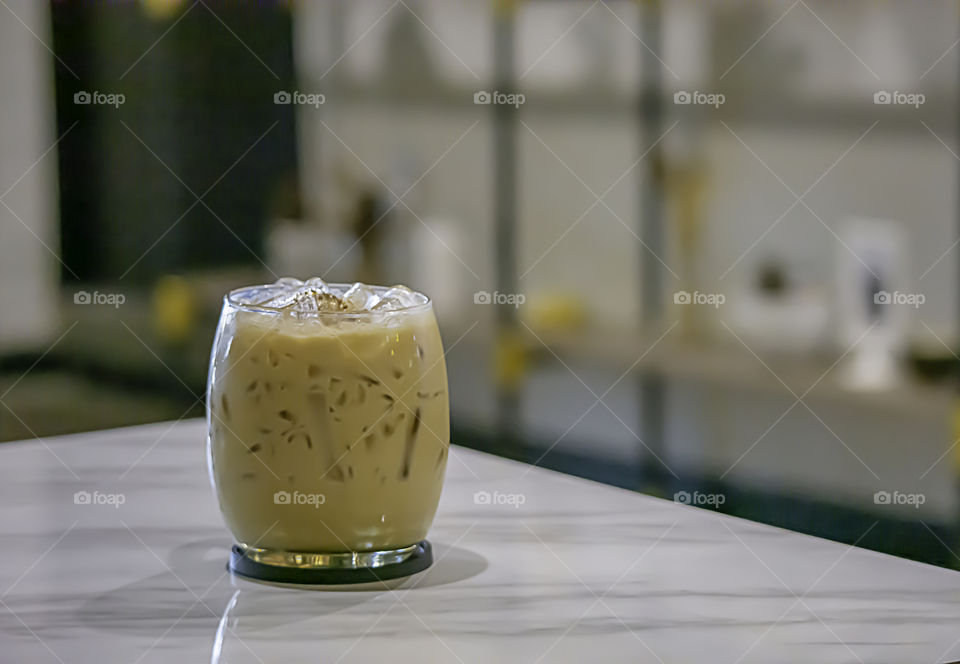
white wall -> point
(28, 269)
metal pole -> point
(505, 183)
(651, 385)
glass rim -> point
(232, 299)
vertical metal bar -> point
(955, 415)
(505, 203)
(651, 386)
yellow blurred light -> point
(161, 9)
(174, 309)
(558, 311)
(511, 360)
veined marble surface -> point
(573, 571)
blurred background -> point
(704, 250)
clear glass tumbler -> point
(328, 431)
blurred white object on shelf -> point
(776, 316)
(304, 250)
(872, 301)
(436, 268)
(793, 323)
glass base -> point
(297, 567)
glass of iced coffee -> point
(328, 425)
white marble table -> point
(578, 572)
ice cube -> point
(283, 293)
(310, 296)
(359, 297)
(281, 301)
(318, 283)
(398, 297)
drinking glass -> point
(328, 430)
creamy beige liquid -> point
(330, 438)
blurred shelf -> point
(123, 343)
(785, 112)
(51, 403)
(774, 109)
(731, 366)
(602, 101)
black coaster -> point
(419, 560)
